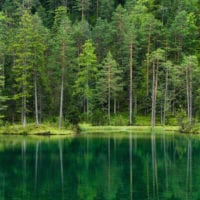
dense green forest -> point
(99, 61)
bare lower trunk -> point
(36, 98)
(97, 12)
(24, 122)
(166, 96)
(87, 108)
(115, 106)
(153, 99)
(131, 86)
(148, 61)
(109, 94)
(190, 94)
(82, 9)
(62, 86)
(154, 93)
(61, 102)
(135, 105)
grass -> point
(87, 128)
(32, 129)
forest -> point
(105, 62)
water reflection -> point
(131, 165)
(189, 171)
(104, 168)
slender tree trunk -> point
(135, 105)
(24, 99)
(40, 109)
(148, 61)
(87, 105)
(36, 98)
(187, 92)
(166, 96)
(131, 85)
(62, 85)
(190, 94)
(115, 105)
(24, 112)
(109, 93)
(22, 115)
(97, 12)
(153, 98)
(82, 9)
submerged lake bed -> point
(100, 167)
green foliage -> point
(86, 77)
(119, 120)
(81, 41)
(108, 79)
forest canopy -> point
(100, 61)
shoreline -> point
(52, 130)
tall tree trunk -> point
(131, 85)
(166, 96)
(153, 98)
(24, 100)
(87, 108)
(135, 104)
(62, 85)
(97, 12)
(148, 61)
(190, 94)
(187, 92)
(24, 112)
(109, 93)
(115, 105)
(82, 9)
(36, 98)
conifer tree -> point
(3, 97)
(23, 63)
(86, 77)
(62, 52)
(109, 83)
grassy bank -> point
(32, 129)
(52, 129)
(87, 128)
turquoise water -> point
(100, 168)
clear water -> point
(100, 168)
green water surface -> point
(89, 167)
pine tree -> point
(190, 63)
(62, 53)
(86, 77)
(3, 98)
(157, 56)
(29, 51)
(109, 83)
(83, 6)
(38, 48)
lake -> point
(106, 167)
